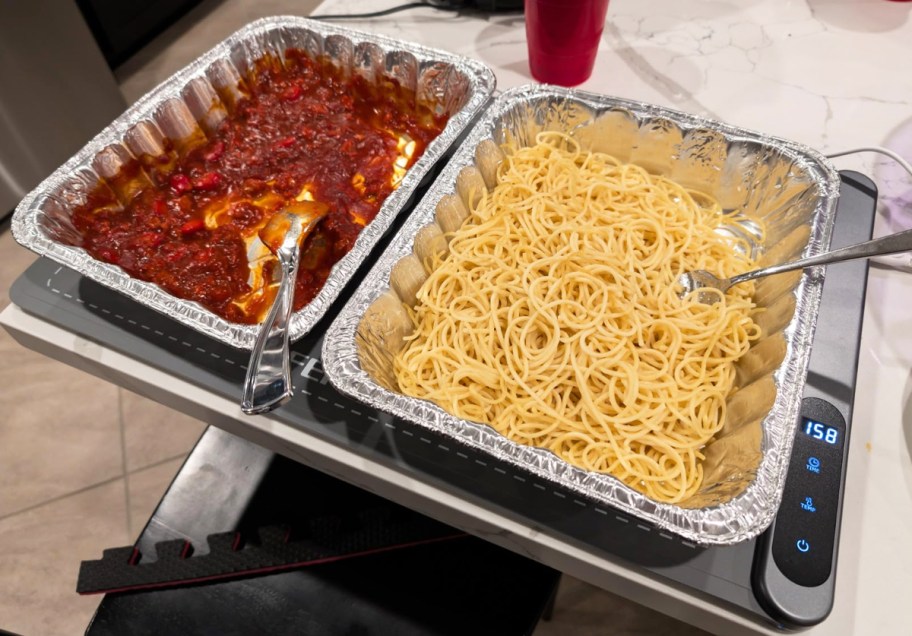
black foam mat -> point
(370, 567)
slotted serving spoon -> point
(700, 280)
(268, 382)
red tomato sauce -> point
(300, 126)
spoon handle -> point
(268, 382)
(892, 244)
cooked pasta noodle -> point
(555, 318)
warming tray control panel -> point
(805, 532)
(794, 572)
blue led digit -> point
(819, 430)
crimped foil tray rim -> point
(743, 517)
(26, 231)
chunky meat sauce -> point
(301, 131)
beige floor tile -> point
(14, 259)
(584, 610)
(154, 433)
(40, 555)
(59, 429)
(146, 488)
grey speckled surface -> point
(584, 610)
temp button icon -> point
(802, 545)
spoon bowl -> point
(706, 285)
(709, 287)
(268, 382)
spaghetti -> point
(555, 318)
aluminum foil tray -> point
(194, 100)
(791, 188)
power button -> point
(802, 545)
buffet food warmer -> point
(785, 577)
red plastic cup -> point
(563, 38)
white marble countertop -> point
(832, 74)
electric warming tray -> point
(789, 188)
(195, 99)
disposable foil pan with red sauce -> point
(165, 204)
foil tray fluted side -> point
(791, 188)
(189, 102)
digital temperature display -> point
(823, 432)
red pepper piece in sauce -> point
(152, 239)
(160, 207)
(284, 143)
(175, 253)
(203, 256)
(180, 183)
(292, 93)
(185, 204)
(254, 186)
(192, 226)
(208, 181)
(214, 151)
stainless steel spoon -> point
(698, 280)
(268, 382)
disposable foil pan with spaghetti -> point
(165, 204)
(765, 200)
